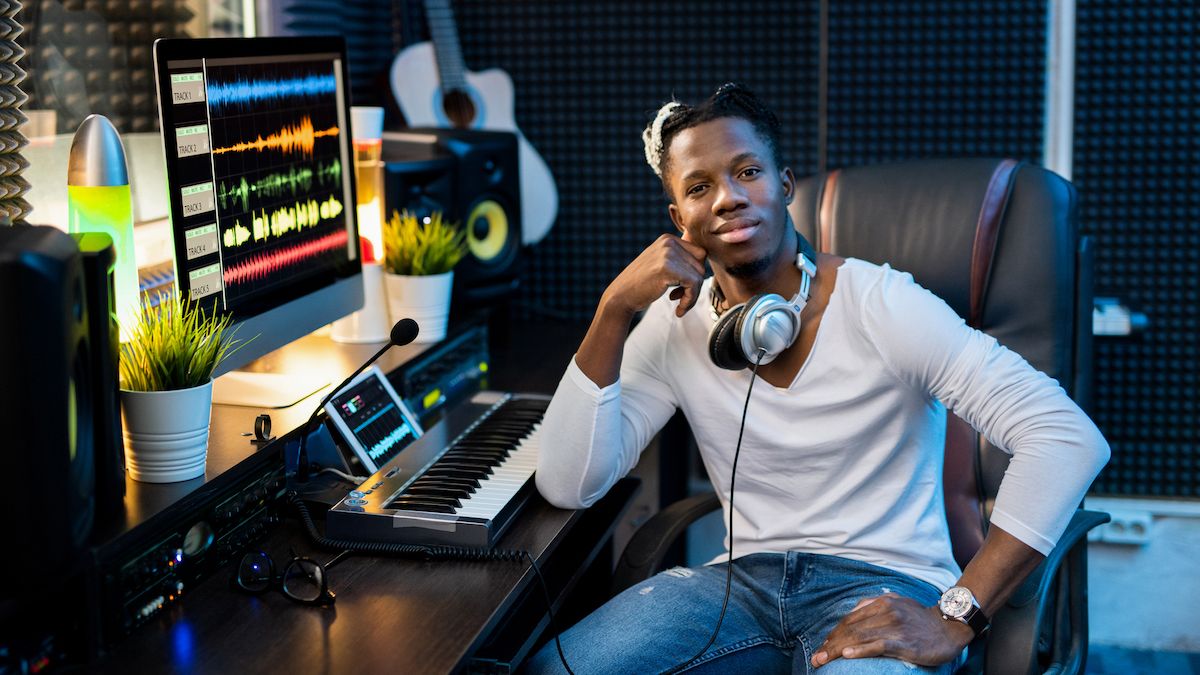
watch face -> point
(956, 602)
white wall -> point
(1146, 595)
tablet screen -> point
(373, 420)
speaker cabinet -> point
(484, 198)
(98, 257)
(46, 412)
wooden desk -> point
(390, 614)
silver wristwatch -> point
(959, 604)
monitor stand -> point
(265, 390)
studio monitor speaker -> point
(418, 177)
(46, 408)
(485, 198)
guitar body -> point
(418, 92)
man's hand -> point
(669, 261)
(895, 627)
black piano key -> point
(480, 468)
(468, 486)
(490, 456)
(453, 473)
(427, 500)
(415, 506)
(434, 491)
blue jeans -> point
(781, 607)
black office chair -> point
(997, 240)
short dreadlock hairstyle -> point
(730, 100)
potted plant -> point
(419, 255)
(166, 387)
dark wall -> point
(905, 80)
(900, 80)
(590, 75)
(1137, 150)
(924, 78)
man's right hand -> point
(670, 261)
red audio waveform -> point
(292, 138)
(262, 265)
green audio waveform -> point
(273, 185)
(265, 226)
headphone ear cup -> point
(724, 346)
(769, 325)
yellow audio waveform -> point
(298, 216)
(292, 138)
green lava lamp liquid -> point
(109, 209)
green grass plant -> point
(415, 248)
(175, 344)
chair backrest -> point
(997, 240)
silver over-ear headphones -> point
(765, 325)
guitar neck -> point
(451, 69)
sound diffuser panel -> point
(929, 78)
(588, 76)
(1136, 152)
(367, 27)
(94, 56)
(12, 205)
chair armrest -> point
(644, 553)
(1060, 584)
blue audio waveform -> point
(243, 91)
(388, 442)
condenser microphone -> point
(404, 332)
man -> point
(842, 552)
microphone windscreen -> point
(404, 332)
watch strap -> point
(976, 620)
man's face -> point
(728, 195)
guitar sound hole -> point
(459, 108)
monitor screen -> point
(261, 183)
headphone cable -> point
(732, 478)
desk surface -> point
(399, 615)
(390, 615)
(232, 427)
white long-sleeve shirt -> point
(847, 460)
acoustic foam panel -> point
(1137, 147)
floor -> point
(1106, 660)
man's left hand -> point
(895, 627)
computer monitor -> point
(260, 183)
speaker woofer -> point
(488, 232)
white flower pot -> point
(426, 300)
(166, 433)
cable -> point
(427, 553)
(549, 610)
(732, 477)
(349, 478)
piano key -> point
(506, 481)
(433, 508)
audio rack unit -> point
(445, 374)
(141, 573)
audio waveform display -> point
(299, 216)
(248, 92)
(274, 185)
(299, 138)
(261, 266)
(276, 173)
(383, 445)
